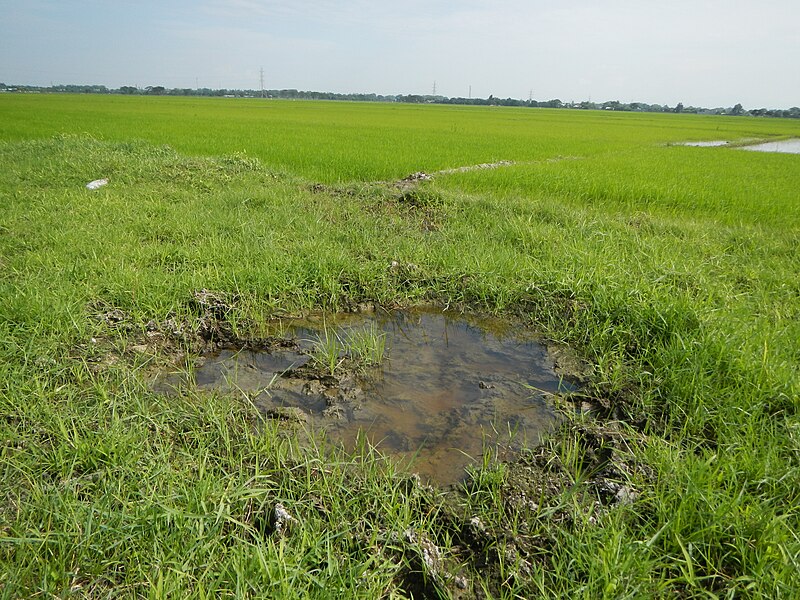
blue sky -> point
(700, 52)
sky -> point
(700, 52)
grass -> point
(367, 345)
(671, 270)
(364, 346)
(327, 351)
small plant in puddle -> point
(327, 351)
(367, 345)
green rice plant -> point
(343, 141)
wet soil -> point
(709, 144)
(414, 178)
(449, 386)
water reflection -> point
(449, 385)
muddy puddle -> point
(791, 146)
(782, 146)
(448, 385)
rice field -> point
(671, 272)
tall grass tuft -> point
(327, 351)
(366, 345)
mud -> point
(414, 178)
(480, 167)
(708, 144)
(450, 385)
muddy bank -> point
(708, 144)
(583, 468)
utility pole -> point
(262, 82)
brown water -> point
(448, 387)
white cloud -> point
(695, 51)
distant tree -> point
(791, 113)
(612, 105)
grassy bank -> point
(671, 270)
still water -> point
(449, 386)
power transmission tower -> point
(262, 82)
(434, 88)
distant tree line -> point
(292, 94)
